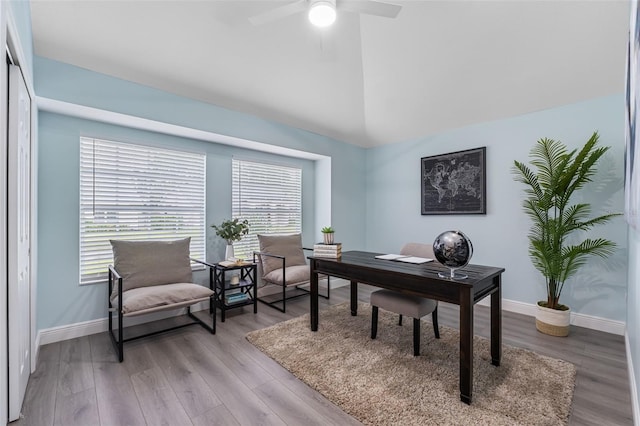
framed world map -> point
(454, 183)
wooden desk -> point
(422, 280)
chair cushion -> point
(287, 245)
(418, 250)
(295, 275)
(404, 304)
(143, 300)
(151, 263)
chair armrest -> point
(263, 253)
(115, 273)
(114, 276)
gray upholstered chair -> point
(282, 265)
(405, 304)
(152, 276)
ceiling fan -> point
(322, 13)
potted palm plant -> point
(231, 230)
(557, 175)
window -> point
(133, 192)
(270, 197)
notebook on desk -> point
(403, 258)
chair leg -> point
(416, 336)
(374, 322)
(434, 319)
(400, 320)
(120, 335)
(284, 298)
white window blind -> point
(270, 197)
(133, 192)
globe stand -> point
(453, 275)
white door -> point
(19, 207)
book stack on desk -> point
(333, 251)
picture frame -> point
(454, 183)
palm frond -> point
(575, 256)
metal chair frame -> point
(118, 343)
(300, 291)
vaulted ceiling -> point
(366, 80)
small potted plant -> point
(327, 233)
(231, 230)
(558, 174)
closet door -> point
(19, 253)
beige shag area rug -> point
(380, 382)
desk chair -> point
(405, 304)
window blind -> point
(270, 197)
(133, 192)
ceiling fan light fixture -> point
(322, 13)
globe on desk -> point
(454, 250)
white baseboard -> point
(86, 328)
(632, 383)
(581, 320)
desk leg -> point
(314, 297)
(354, 298)
(496, 322)
(466, 344)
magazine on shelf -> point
(233, 262)
(235, 297)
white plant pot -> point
(228, 254)
(328, 237)
(552, 321)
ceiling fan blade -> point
(279, 12)
(370, 7)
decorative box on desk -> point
(333, 251)
(230, 296)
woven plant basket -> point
(553, 322)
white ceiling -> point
(366, 80)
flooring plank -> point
(78, 409)
(193, 392)
(117, 400)
(158, 401)
(76, 369)
(217, 416)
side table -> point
(230, 296)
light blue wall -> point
(500, 237)
(67, 302)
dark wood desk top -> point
(363, 267)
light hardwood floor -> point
(189, 376)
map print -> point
(454, 183)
